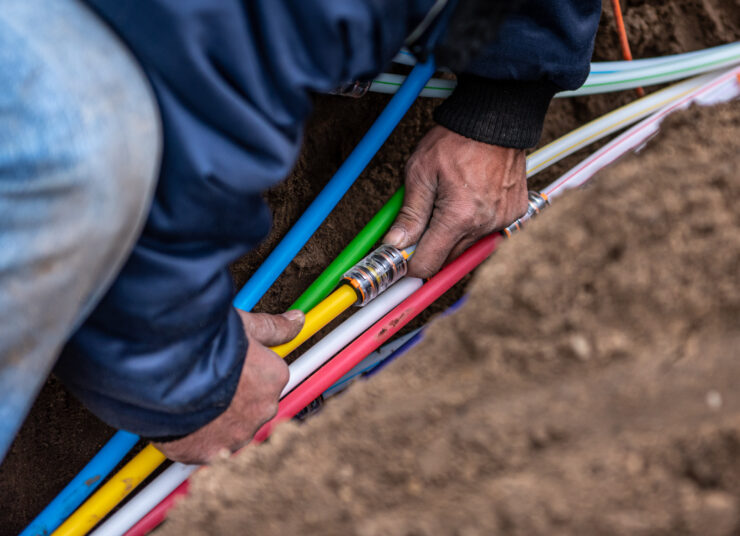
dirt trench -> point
(58, 428)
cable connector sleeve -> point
(536, 203)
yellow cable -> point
(333, 305)
(111, 493)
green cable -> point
(349, 256)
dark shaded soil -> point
(59, 429)
(588, 386)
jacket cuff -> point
(158, 420)
(507, 113)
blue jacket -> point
(162, 353)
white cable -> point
(404, 57)
(142, 503)
(349, 330)
(658, 74)
(658, 71)
(719, 89)
(603, 67)
(435, 88)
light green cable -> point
(351, 254)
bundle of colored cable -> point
(721, 88)
(75, 491)
(305, 361)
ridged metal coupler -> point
(376, 272)
(537, 202)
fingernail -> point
(395, 236)
(293, 315)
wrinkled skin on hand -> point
(457, 191)
(256, 399)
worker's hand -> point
(457, 191)
(256, 399)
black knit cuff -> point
(499, 112)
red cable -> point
(623, 40)
(343, 362)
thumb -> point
(272, 330)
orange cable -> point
(623, 40)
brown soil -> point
(588, 386)
(58, 428)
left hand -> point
(457, 191)
(255, 401)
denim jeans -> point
(80, 144)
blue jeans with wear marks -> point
(80, 144)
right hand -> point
(256, 399)
(458, 190)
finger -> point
(418, 204)
(272, 330)
(435, 246)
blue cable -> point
(82, 485)
(335, 189)
(122, 442)
(405, 347)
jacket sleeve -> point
(162, 353)
(544, 48)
